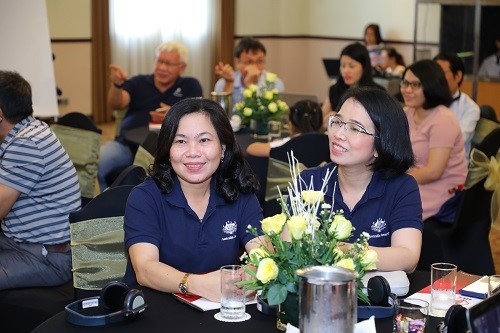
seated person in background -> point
(374, 43)
(392, 63)
(436, 138)
(191, 217)
(304, 117)
(142, 95)
(371, 150)
(490, 67)
(250, 62)
(38, 189)
(464, 108)
(355, 70)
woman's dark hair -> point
(392, 134)
(359, 53)
(306, 116)
(393, 54)
(15, 97)
(376, 31)
(434, 84)
(233, 174)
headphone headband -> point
(129, 304)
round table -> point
(166, 314)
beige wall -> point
(70, 32)
(298, 61)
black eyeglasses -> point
(412, 84)
(351, 129)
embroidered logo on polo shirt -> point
(229, 229)
(178, 92)
(379, 225)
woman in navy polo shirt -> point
(371, 150)
(191, 216)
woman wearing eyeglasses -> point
(371, 152)
(355, 70)
(440, 165)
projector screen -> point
(26, 49)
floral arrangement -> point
(302, 237)
(261, 102)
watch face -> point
(183, 288)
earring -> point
(1, 119)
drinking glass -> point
(493, 285)
(443, 288)
(232, 295)
(274, 128)
(411, 315)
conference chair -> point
(465, 242)
(81, 139)
(131, 175)
(310, 149)
(97, 245)
(146, 152)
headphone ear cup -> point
(132, 301)
(455, 319)
(113, 294)
(379, 290)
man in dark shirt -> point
(143, 96)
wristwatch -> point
(183, 286)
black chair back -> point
(131, 175)
(78, 120)
(311, 149)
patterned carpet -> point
(108, 133)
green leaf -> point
(276, 294)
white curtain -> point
(138, 27)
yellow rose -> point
(297, 226)
(282, 105)
(346, 263)
(273, 224)
(275, 91)
(257, 254)
(311, 197)
(247, 93)
(272, 107)
(247, 112)
(267, 270)
(252, 87)
(270, 77)
(369, 260)
(338, 253)
(340, 227)
(268, 95)
(238, 106)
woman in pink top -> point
(436, 138)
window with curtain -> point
(138, 27)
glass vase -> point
(288, 312)
(259, 128)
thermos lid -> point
(326, 274)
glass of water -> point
(443, 288)
(232, 295)
(274, 129)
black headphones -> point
(455, 320)
(124, 303)
(382, 301)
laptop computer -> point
(332, 67)
(484, 317)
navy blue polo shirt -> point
(145, 97)
(185, 242)
(386, 206)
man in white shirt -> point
(250, 61)
(464, 108)
(490, 66)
